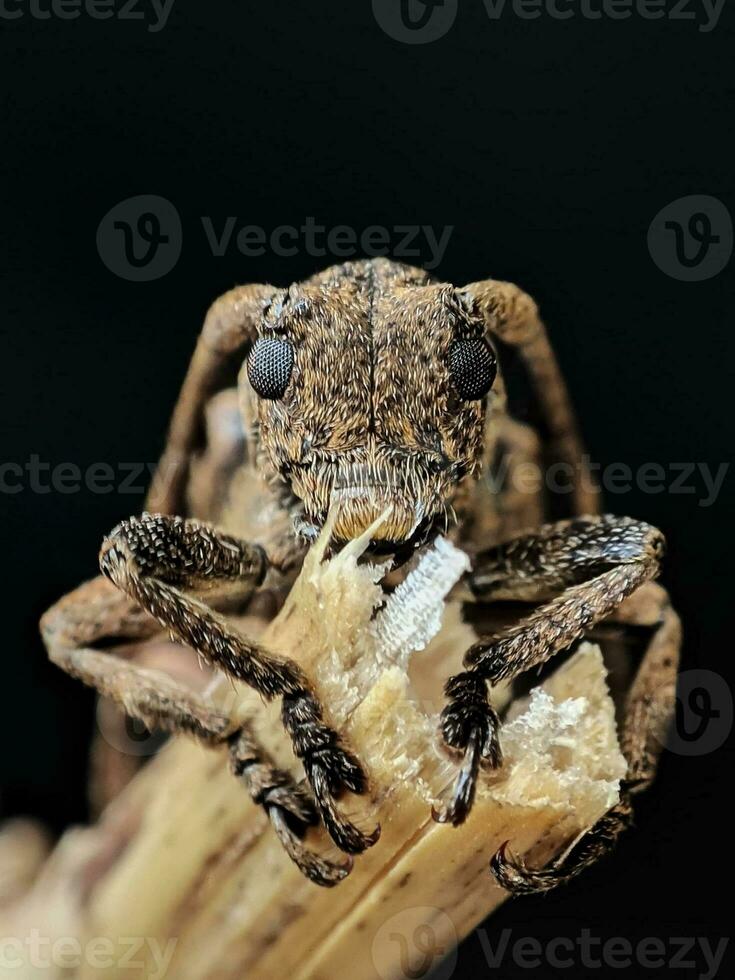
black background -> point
(548, 145)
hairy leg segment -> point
(153, 559)
(96, 613)
(513, 317)
(581, 571)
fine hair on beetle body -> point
(368, 391)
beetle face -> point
(371, 394)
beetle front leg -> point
(589, 565)
(154, 557)
(648, 712)
(95, 613)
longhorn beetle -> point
(369, 385)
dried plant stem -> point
(186, 867)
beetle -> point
(369, 389)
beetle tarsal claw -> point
(316, 868)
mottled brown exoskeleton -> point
(368, 385)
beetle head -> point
(368, 396)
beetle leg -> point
(507, 500)
(589, 566)
(513, 317)
(229, 327)
(96, 612)
(151, 559)
(648, 711)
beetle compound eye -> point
(473, 367)
(270, 364)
